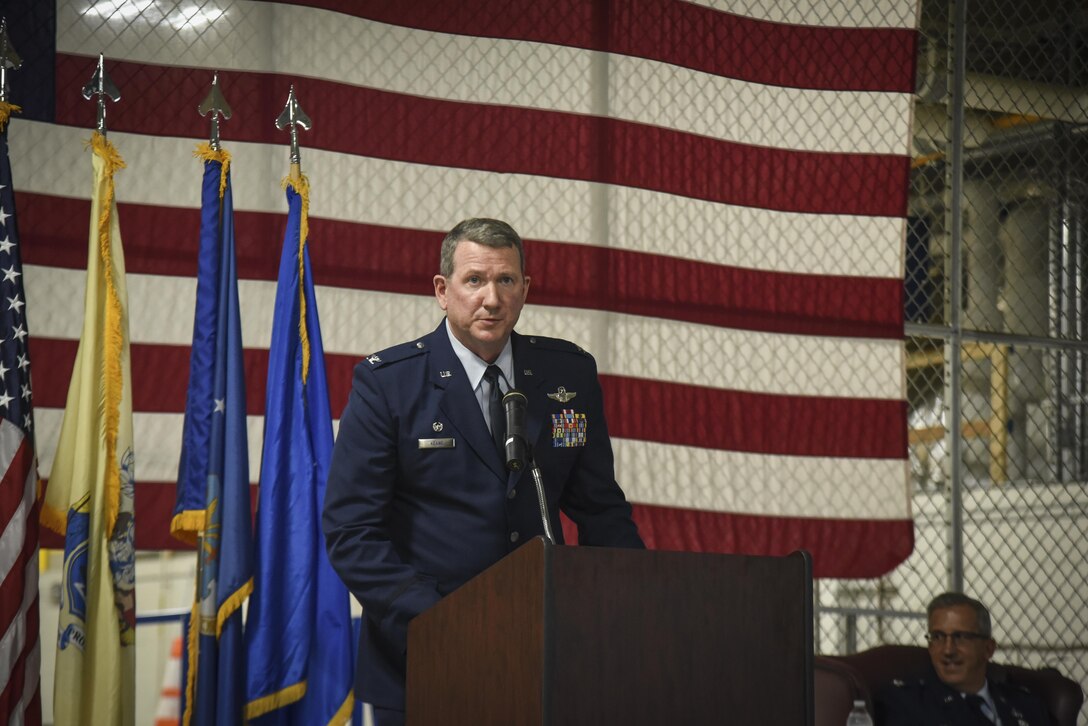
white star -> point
(10, 274)
(3, 370)
(220, 405)
(3, 216)
(19, 332)
(26, 392)
(5, 399)
(23, 362)
(27, 423)
(16, 304)
(6, 244)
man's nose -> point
(490, 295)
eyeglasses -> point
(958, 637)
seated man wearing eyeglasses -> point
(958, 692)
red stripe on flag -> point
(154, 512)
(858, 59)
(839, 547)
(13, 484)
(13, 587)
(13, 691)
(657, 411)
(165, 391)
(14, 583)
(686, 415)
(507, 139)
(162, 241)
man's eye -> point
(474, 280)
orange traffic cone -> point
(169, 711)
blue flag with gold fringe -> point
(298, 633)
(213, 476)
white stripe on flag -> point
(742, 483)
(157, 437)
(43, 154)
(868, 14)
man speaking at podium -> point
(419, 497)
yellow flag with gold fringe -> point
(89, 498)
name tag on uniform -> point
(437, 443)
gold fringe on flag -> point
(273, 701)
(207, 153)
(190, 672)
(112, 336)
(6, 109)
(301, 186)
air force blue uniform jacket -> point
(419, 501)
(929, 702)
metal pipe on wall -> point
(1067, 322)
(954, 187)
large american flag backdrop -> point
(712, 195)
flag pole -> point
(291, 118)
(216, 105)
(8, 59)
(102, 86)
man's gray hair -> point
(956, 599)
(487, 232)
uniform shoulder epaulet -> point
(399, 352)
(908, 683)
(558, 344)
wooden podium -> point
(585, 635)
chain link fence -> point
(995, 299)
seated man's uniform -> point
(929, 702)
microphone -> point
(518, 452)
(515, 404)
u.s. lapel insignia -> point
(562, 395)
(437, 426)
(527, 372)
(444, 374)
(568, 429)
(372, 359)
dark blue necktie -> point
(494, 407)
(976, 703)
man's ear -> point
(440, 290)
(991, 646)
